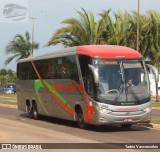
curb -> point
(149, 125)
(7, 97)
(8, 105)
(155, 108)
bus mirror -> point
(154, 71)
(95, 73)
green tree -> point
(11, 77)
(150, 37)
(7, 76)
(117, 29)
(3, 72)
(20, 47)
(2, 81)
(3, 75)
(10, 72)
(83, 31)
(122, 30)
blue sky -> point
(50, 13)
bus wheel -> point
(29, 110)
(80, 119)
(127, 126)
(35, 112)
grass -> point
(155, 120)
(8, 95)
(156, 104)
(8, 102)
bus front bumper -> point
(126, 117)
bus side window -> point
(49, 68)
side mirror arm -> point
(155, 71)
(95, 73)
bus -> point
(86, 84)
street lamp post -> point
(138, 18)
(32, 18)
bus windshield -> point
(122, 82)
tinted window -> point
(26, 71)
(55, 68)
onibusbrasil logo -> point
(14, 10)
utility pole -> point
(138, 18)
(33, 19)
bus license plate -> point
(128, 120)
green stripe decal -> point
(37, 85)
(56, 93)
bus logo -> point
(6, 146)
(127, 113)
(13, 11)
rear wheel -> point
(35, 112)
(29, 110)
(127, 126)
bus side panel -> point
(23, 93)
(50, 100)
(61, 98)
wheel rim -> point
(35, 113)
(28, 109)
(80, 118)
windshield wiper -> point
(120, 89)
(133, 93)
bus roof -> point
(108, 51)
(95, 51)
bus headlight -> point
(147, 109)
(104, 110)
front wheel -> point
(80, 119)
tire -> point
(29, 110)
(80, 119)
(126, 126)
(35, 112)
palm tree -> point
(119, 30)
(81, 31)
(150, 37)
(20, 47)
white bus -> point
(95, 84)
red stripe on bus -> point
(68, 109)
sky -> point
(50, 13)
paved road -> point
(106, 134)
